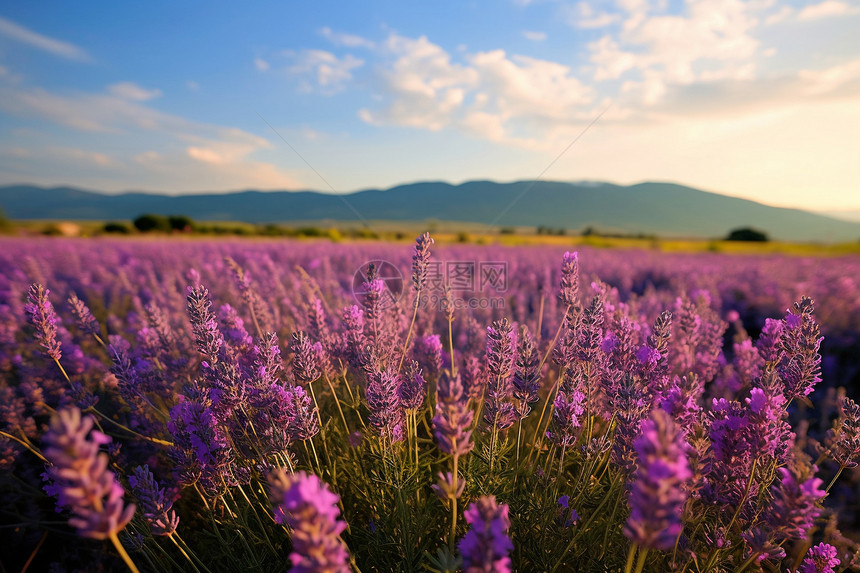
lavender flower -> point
(526, 380)
(353, 337)
(201, 449)
(500, 349)
(569, 288)
(799, 364)
(157, 510)
(383, 401)
(209, 339)
(795, 504)
(81, 480)
(843, 441)
(84, 318)
(499, 414)
(300, 414)
(428, 353)
(657, 494)
(486, 546)
(566, 417)
(820, 559)
(420, 260)
(310, 509)
(451, 424)
(307, 356)
(413, 388)
(44, 320)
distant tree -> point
(748, 234)
(181, 223)
(116, 227)
(5, 224)
(149, 222)
(507, 231)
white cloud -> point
(132, 91)
(424, 86)
(346, 40)
(712, 40)
(784, 13)
(322, 71)
(827, 9)
(24, 35)
(534, 36)
(584, 16)
(192, 85)
(261, 64)
(492, 95)
(190, 155)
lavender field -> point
(206, 406)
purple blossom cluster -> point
(79, 477)
(309, 508)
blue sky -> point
(757, 98)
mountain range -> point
(663, 209)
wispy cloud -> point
(827, 9)
(584, 16)
(132, 91)
(175, 153)
(534, 36)
(346, 40)
(53, 46)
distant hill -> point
(845, 215)
(664, 209)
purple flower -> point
(428, 353)
(353, 336)
(309, 508)
(233, 328)
(157, 510)
(307, 356)
(658, 494)
(81, 480)
(444, 488)
(526, 380)
(383, 401)
(799, 364)
(44, 320)
(760, 543)
(820, 559)
(569, 287)
(201, 449)
(420, 260)
(300, 414)
(567, 516)
(486, 546)
(453, 417)
(413, 388)
(843, 441)
(567, 413)
(84, 318)
(500, 349)
(207, 335)
(795, 504)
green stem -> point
(122, 553)
(409, 332)
(833, 481)
(628, 567)
(640, 563)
